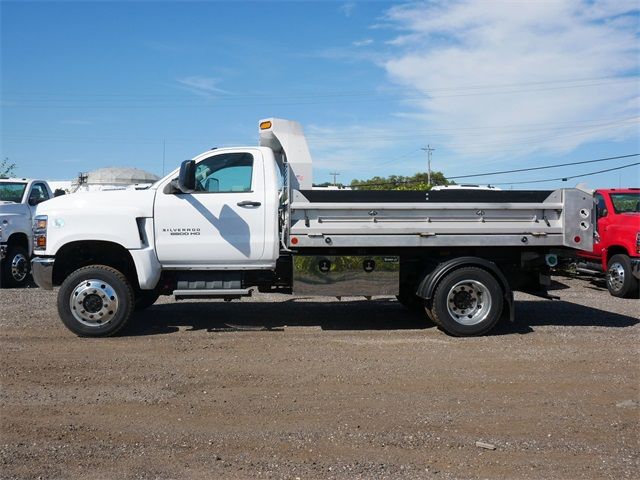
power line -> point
(564, 179)
(222, 100)
(393, 160)
(543, 167)
(409, 182)
(315, 139)
(386, 91)
(528, 140)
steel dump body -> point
(560, 218)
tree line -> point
(419, 181)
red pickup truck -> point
(616, 248)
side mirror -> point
(33, 201)
(187, 177)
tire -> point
(15, 267)
(95, 301)
(620, 281)
(145, 298)
(467, 302)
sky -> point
(489, 85)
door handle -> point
(248, 203)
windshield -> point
(12, 191)
(626, 202)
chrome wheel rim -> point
(615, 277)
(469, 302)
(19, 267)
(93, 302)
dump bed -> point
(352, 218)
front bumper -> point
(3, 251)
(42, 272)
(635, 267)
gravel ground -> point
(316, 388)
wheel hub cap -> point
(469, 302)
(93, 302)
(19, 266)
(615, 276)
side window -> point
(38, 194)
(229, 172)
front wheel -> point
(467, 301)
(15, 267)
(95, 301)
(620, 279)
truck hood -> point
(12, 208)
(111, 216)
(129, 203)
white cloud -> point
(347, 147)
(569, 65)
(347, 8)
(358, 151)
(363, 43)
(202, 85)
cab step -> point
(226, 293)
(227, 285)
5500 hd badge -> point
(181, 231)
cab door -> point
(602, 223)
(222, 223)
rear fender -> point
(427, 286)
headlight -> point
(40, 232)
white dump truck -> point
(18, 200)
(234, 220)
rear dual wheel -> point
(467, 302)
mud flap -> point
(510, 312)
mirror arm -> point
(173, 188)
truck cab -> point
(227, 215)
(19, 198)
(616, 247)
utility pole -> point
(428, 149)
(164, 150)
(334, 175)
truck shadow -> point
(384, 314)
(531, 314)
(596, 283)
(379, 314)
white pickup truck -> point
(233, 220)
(18, 200)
